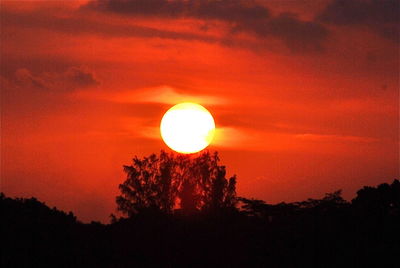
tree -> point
(383, 199)
(169, 181)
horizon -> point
(118, 216)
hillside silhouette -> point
(181, 211)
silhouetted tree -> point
(148, 185)
(222, 190)
(189, 198)
(260, 209)
(326, 232)
(382, 199)
(170, 180)
(254, 207)
(330, 201)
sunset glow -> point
(304, 94)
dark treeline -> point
(168, 220)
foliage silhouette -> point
(170, 181)
(326, 232)
(384, 198)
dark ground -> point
(328, 232)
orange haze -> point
(305, 102)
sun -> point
(187, 128)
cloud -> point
(71, 79)
(238, 16)
(77, 24)
(169, 95)
(228, 10)
(241, 16)
(379, 16)
(25, 77)
(80, 77)
(161, 94)
(334, 138)
(298, 35)
(256, 140)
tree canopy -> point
(170, 181)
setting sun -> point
(187, 128)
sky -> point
(305, 94)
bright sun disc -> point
(187, 128)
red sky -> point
(305, 94)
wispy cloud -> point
(160, 94)
(71, 79)
(242, 16)
(253, 140)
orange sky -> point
(305, 94)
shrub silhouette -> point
(172, 181)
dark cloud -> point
(380, 16)
(80, 77)
(244, 16)
(298, 35)
(240, 16)
(25, 77)
(80, 25)
(72, 78)
(229, 10)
